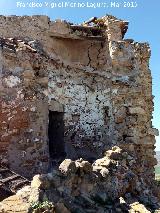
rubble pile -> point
(107, 185)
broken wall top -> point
(99, 31)
(36, 26)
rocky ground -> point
(106, 186)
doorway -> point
(56, 135)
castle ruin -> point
(73, 91)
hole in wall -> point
(56, 135)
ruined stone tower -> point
(73, 91)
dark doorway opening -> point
(56, 135)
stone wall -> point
(24, 110)
(100, 81)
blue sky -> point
(144, 26)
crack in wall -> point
(89, 63)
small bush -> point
(42, 207)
